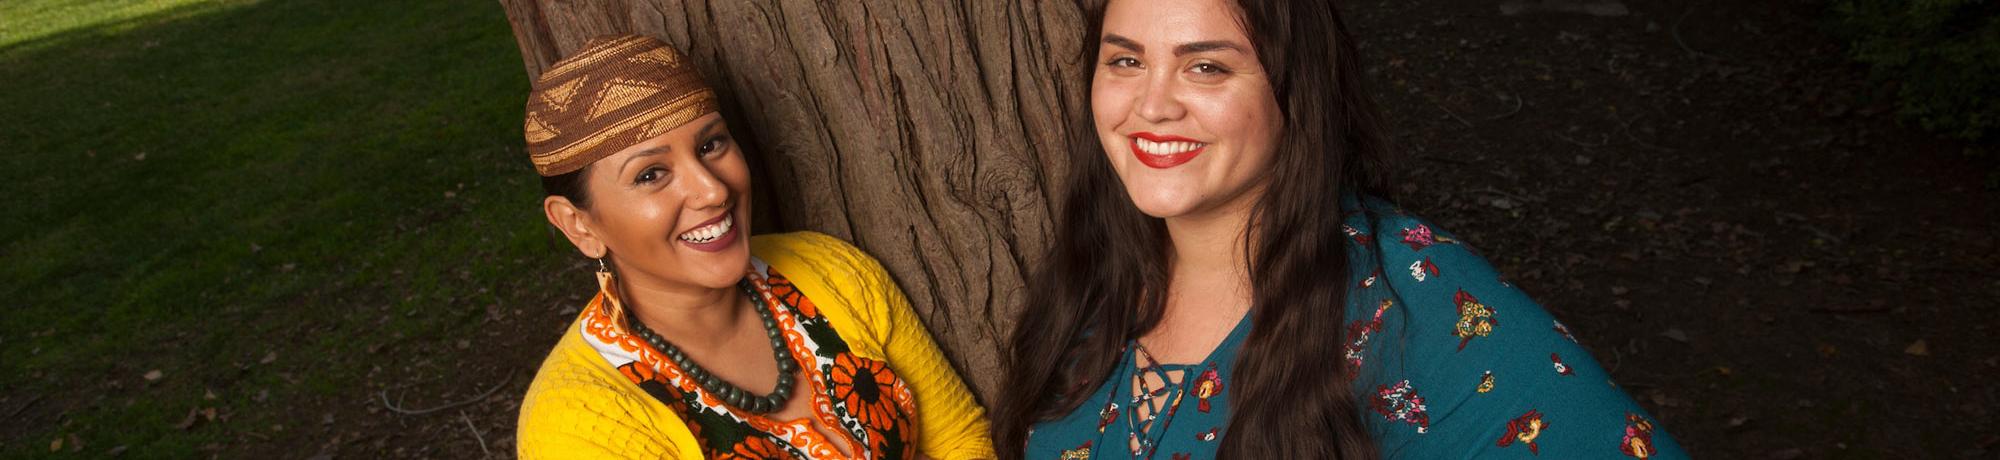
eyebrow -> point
(1207, 46)
(709, 129)
(1179, 50)
(644, 153)
(1121, 41)
(706, 130)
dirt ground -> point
(1719, 204)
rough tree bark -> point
(930, 133)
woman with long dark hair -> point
(1230, 282)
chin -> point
(1162, 202)
(726, 268)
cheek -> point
(629, 225)
(1248, 118)
(1109, 102)
(735, 173)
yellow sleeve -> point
(952, 425)
(575, 410)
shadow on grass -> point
(246, 198)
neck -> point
(1210, 251)
(689, 316)
(1207, 246)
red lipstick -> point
(1157, 161)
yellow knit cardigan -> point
(580, 407)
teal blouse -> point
(1453, 362)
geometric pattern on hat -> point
(615, 92)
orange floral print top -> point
(863, 398)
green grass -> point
(191, 185)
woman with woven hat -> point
(701, 341)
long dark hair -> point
(1103, 282)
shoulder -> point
(846, 284)
(1411, 252)
(807, 246)
(578, 404)
(815, 254)
(1439, 277)
(818, 258)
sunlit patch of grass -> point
(26, 22)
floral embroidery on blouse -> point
(1357, 336)
(1525, 429)
(1474, 319)
(1402, 404)
(1638, 441)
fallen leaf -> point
(154, 375)
(56, 445)
(268, 357)
(1918, 348)
(1676, 334)
(188, 421)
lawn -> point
(219, 209)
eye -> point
(650, 175)
(1207, 72)
(713, 146)
(1123, 62)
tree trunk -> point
(932, 134)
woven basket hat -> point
(615, 92)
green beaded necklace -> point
(729, 393)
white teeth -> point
(1167, 148)
(710, 232)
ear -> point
(575, 224)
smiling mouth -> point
(1168, 147)
(711, 232)
(1161, 151)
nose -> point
(1158, 100)
(704, 189)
